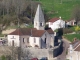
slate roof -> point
(28, 31)
(54, 19)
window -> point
(45, 40)
(27, 40)
(40, 24)
(23, 40)
(13, 36)
(45, 35)
(12, 42)
(34, 40)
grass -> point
(70, 37)
(54, 8)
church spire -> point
(39, 21)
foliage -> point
(54, 8)
(70, 37)
(1, 35)
(67, 30)
(77, 28)
(3, 57)
(30, 26)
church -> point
(33, 37)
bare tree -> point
(76, 14)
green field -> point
(70, 37)
(54, 8)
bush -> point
(67, 30)
(77, 28)
(3, 57)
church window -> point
(45, 35)
(23, 40)
(34, 40)
(40, 24)
(12, 42)
(27, 40)
(45, 40)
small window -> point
(23, 40)
(12, 42)
(40, 24)
(45, 35)
(13, 37)
(34, 40)
(27, 40)
(45, 40)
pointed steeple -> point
(39, 21)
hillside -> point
(23, 11)
(63, 8)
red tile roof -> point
(22, 31)
(38, 33)
(28, 31)
(54, 19)
(50, 31)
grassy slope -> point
(70, 37)
(54, 8)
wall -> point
(14, 38)
(32, 43)
(48, 40)
(25, 43)
(57, 24)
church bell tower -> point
(39, 21)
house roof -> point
(76, 45)
(38, 33)
(49, 30)
(78, 48)
(28, 31)
(22, 31)
(54, 19)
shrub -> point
(77, 28)
(3, 57)
(67, 30)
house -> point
(33, 37)
(74, 50)
(71, 22)
(56, 23)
